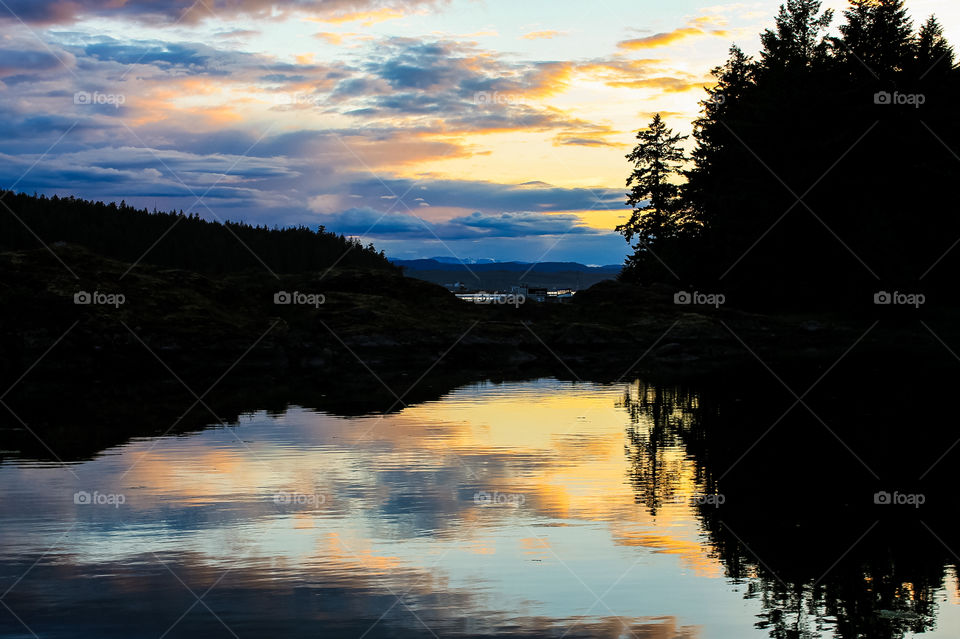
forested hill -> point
(173, 239)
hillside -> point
(175, 240)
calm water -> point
(540, 508)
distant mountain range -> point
(485, 264)
(483, 274)
(455, 260)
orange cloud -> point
(551, 79)
(670, 37)
(402, 149)
(641, 74)
(664, 83)
(708, 21)
(332, 38)
(366, 18)
(542, 35)
(163, 104)
(352, 37)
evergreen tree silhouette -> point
(796, 197)
(658, 215)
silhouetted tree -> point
(735, 80)
(892, 37)
(790, 200)
(799, 37)
(934, 55)
(855, 45)
(878, 35)
(658, 215)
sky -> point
(456, 128)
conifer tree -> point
(933, 53)
(799, 37)
(657, 214)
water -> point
(538, 508)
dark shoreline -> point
(382, 319)
(379, 341)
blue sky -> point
(474, 128)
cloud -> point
(669, 84)
(619, 72)
(697, 27)
(522, 224)
(542, 35)
(390, 222)
(562, 140)
(422, 66)
(126, 172)
(490, 197)
(366, 18)
(186, 56)
(238, 33)
(446, 87)
(191, 12)
(171, 60)
(326, 203)
(199, 114)
(19, 61)
(332, 38)
(286, 177)
(420, 87)
(369, 222)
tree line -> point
(820, 171)
(173, 239)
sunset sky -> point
(468, 128)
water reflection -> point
(849, 574)
(662, 420)
(542, 508)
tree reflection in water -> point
(810, 577)
(662, 421)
